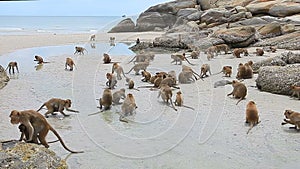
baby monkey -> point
(179, 101)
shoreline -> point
(8, 42)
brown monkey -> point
(106, 58)
(106, 100)
(118, 69)
(239, 90)
(80, 50)
(138, 67)
(179, 101)
(259, 52)
(237, 52)
(152, 79)
(248, 71)
(177, 57)
(227, 70)
(170, 81)
(37, 125)
(295, 90)
(131, 84)
(93, 37)
(70, 63)
(293, 118)
(146, 75)
(251, 115)
(127, 107)
(118, 95)
(270, 49)
(211, 52)
(157, 81)
(112, 80)
(39, 59)
(145, 57)
(166, 94)
(222, 47)
(57, 105)
(195, 54)
(25, 132)
(12, 65)
(172, 74)
(204, 69)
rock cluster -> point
(15, 154)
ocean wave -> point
(11, 29)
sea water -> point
(16, 25)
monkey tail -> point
(62, 142)
(129, 71)
(132, 59)
(86, 50)
(41, 107)
(239, 100)
(251, 126)
(188, 61)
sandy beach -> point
(211, 136)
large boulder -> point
(278, 79)
(172, 7)
(270, 30)
(214, 15)
(126, 25)
(285, 9)
(237, 37)
(148, 21)
(260, 7)
(14, 154)
(186, 12)
(3, 77)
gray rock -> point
(278, 79)
(212, 16)
(270, 30)
(195, 16)
(285, 9)
(186, 12)
(25, 155)
(274, 61)
(126, 25)
(222, 83)
(147, 21)
(204, 4)
(253, 21)
(290, 57)
(237, 37)
(3, 77)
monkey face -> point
(68, 103)
(288, 113)
(14, 117)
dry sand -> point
(212, 136)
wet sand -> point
(212, 136)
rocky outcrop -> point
(237, 37)
(15, 154)
(278, 79)
(270, 30)
(126, 25)
(3, 77)
(148, 21)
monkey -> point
(93, 45)
(157, 81)
(127, 107)
(146, 75)
(12, 65)
(222, 47)
(80, 50)
(259, 52)
(138, 67)
(166, 94)
(227, 70)
(172, 74)
(195, 54)
(112, 40)
(241, 71)
(251, 115)
(37, 125)
(211, 52)
(106, 100)
(270, 49)
(237, 52)
(187, 68)
(70, 63)
(118, 95)
(131, 84)
(170, 81)
(248, 71)
(186, 77)
(106, 58)
(57, 105)
(93, 37)
(204, 69)
(295, 90)
(118, 69)
(179, 58)
(239, 90)
(145, 57)
(152, 79)
(179, 101)
(137, 41)
(250, 63)
(112, 80)
(25, 132)
(39, 59)
(293, 118)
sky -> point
(76, 7)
